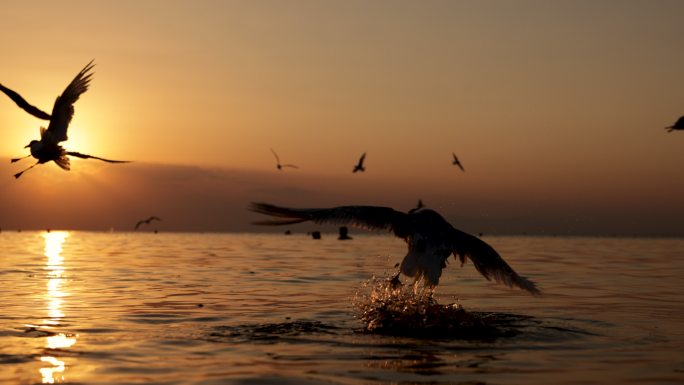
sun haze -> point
(556, 110)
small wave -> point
(15, 358)
(271, 331)
(156, 318)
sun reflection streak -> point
(60, 341)
(55, 271)
(48, 374)
(55, 299)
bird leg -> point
(395, 282)
(18, 159)
(423, 290)
(17, 175)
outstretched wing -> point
(276, 156)
(457, 162)
(366, 217)
(289, 165)
(63, 110)
(21, 102)
(488, 262)
(86, 156)
(363, 157)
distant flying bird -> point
(679, 125)
(146, 221)
(457, 162)
(430, 238)
(47, 148)
(280, 166)
(359, 166)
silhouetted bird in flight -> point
(457, 162)
(146, 221)
(679, 125)
(280, 166)
(47, 148)
(359, 166)
(430, 238)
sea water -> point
(169, 308)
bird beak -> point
(27, 146)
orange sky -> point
(556, 110)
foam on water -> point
(412, 310)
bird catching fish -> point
(430, 238)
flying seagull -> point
(430, 238)
(457, 162)
(146, 221)
(359, 166)
(280, 166)
(679, 125)
(47, 148)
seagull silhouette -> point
(457, 162)
(359, 166)
(280, 166)
(47, 148)
(430, 238)
(679, 125)
(146, 221)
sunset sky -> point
(555, 108)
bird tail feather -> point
(63, 161)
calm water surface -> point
(108, 308)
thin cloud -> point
(192, 198)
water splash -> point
(411, 310)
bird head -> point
(35, 146)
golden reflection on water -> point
(55, 271)
(55, 295)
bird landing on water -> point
(430, 238)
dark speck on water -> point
(267, 309)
